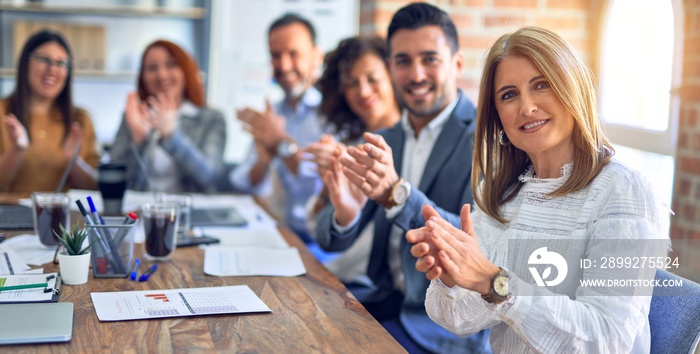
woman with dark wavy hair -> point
(41, 128)
(357, 97)
(169, 140)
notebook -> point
(217, 217)
(36, 323)
(14, 217)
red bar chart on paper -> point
(131, 305)
(161, 297)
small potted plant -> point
(74, 260)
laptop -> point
(36, 322)
(217, 217)
(16, 217)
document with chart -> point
(134, 305)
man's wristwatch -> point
(287, 148)
(499, 288)
(399, 194)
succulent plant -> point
(73, 240)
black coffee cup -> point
(112, 184)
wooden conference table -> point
(313, 313)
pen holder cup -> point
(112, 248)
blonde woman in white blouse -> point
(545, 174)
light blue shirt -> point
(304, 125)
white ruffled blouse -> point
(618, 204)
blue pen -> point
(137, 264)
(148, 273)
(93, 211)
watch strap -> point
(391, 202)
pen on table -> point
(113, 246)
(105, 247)
(137, 263)
(148, 273)
(24, 286)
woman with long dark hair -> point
(357, 97)
(41, 127)
(169, 139)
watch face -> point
(500, 285)
(286, 148)
(401, 194)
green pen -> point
(25, 286)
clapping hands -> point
(321, 153)
(346, 197)
(159, 113)
(451, 254)
(17, 131)
(370, 167)
(266, 126)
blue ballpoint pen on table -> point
(148, 273)
(137, 264)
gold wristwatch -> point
(399, 193)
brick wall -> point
(685, 225)
(480, 22)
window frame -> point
(660, 142)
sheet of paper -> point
(245, 261)
(11, 263)
(264, 236)
(27, 295)
(30, 249)
(132, 305)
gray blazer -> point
(197, 146)
(445, 185)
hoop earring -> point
(503, 139)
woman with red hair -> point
(168, 139)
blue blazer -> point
(446, 186)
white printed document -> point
(29, 288)
(235, 261)
(134, 305)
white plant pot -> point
(74, 269)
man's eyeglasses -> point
(48, 62)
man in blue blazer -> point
(424, 159)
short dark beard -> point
(431, 112)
